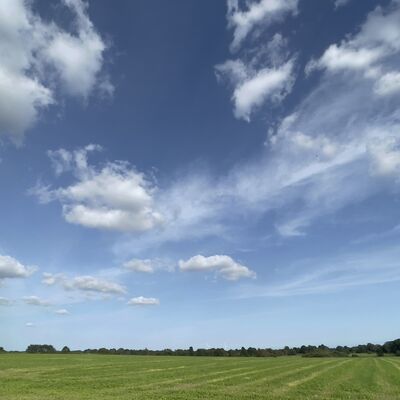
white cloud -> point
(321, 146)
(78, 59)
(4, 301)
(85, 283)
(51, 279)
(254, 87)
(223, 265)
(62, 312)
(148, 266)
(36, 301)
(341, 3)
(258, 12)
(344, 57)
(263, 73)
(388, 84)
(41, 61)
(138, 265)
(143, 301)
(292, 227)
(21, 99)
(329, 154)
(268, 83)
(11, 268)
(91, 283)
(30, 325)
(370, 51)
(114, 197)
(385, 155)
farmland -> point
(84, 376)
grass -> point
(83, 377)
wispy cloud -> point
(322, 276)
(5, 302)
(62, 312)
(259, 12)
(341, 3)
(36, 301)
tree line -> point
(391, 347)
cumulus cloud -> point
(259, 12)
(85, 283)
(113, 197)
(78, 59)
(36, 301)
(21, 99)
(62, 312)
(41, 60)
(143, 301)
(224, 266)
(12, 268)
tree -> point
(191, 351)
(40, 348)
(243, 352)
(380, 352)
(65, 349)
(2, 350)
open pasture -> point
(97, 377)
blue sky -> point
(199, 173)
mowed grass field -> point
(97, 377)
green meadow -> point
(97, 377)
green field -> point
(97, 377)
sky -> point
(206, 174)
